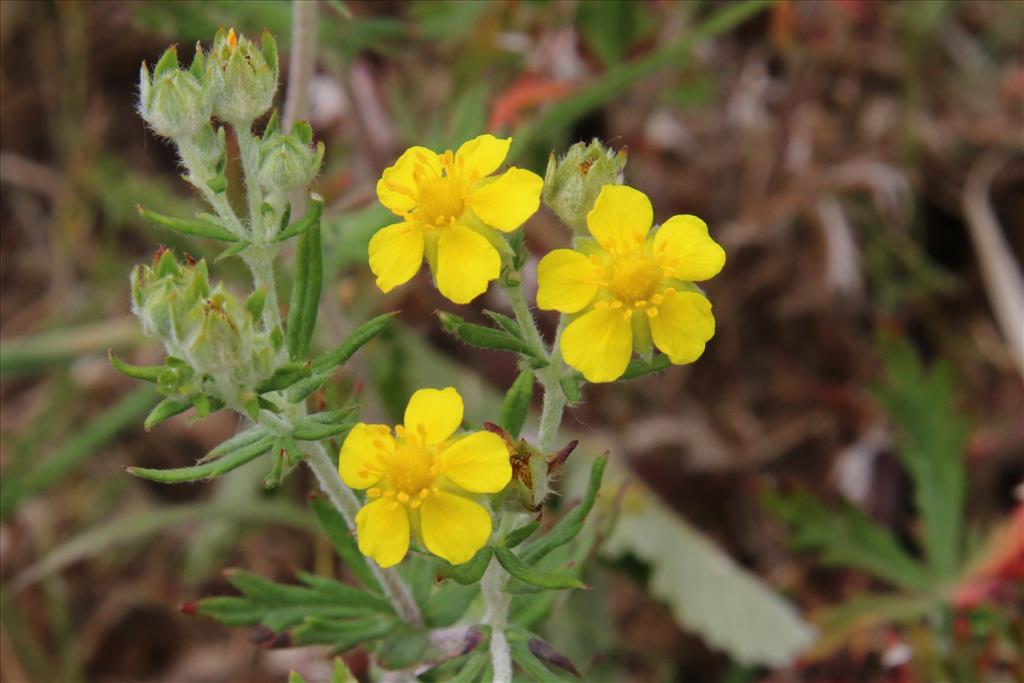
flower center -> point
(440, 199)
(633, 279)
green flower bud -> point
(289, 162)
(173, 102)
(245, 76)
(165, 297)
(572, 183)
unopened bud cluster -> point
(218, 340)
(572, 182)
(289, 161)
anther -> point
(616, 304)
(627, 314)
(403, 496)
(373, 492)
(601, 305)
(392, 506)
(651, 312)
(657, 299)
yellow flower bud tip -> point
(232, 38)
(425, 479)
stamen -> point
(392, 506)
(616, 304)
(652, 312)
(380, 445)
(627, 314)
(403, 496)
(601, 305)
(373, 492)
(657, 299)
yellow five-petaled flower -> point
(453, 211)
(422, 481)
(630, 287)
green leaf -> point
(324, 425)
(517, 536)
(468, 572)
(448, 603)
(236, 248)
(207, 470)
(296, 677)
(536, 668)
(344, 594)
(342, 635)
(639, 368)
(402, 648)
(517, 404)
(569, 526)
(571, 388)
(148, 373)
(340, 672)
(611, 27)
(506, 323)
(931, 437)
(164, 410)
(484, 337)
(363, 334)
(705, 590)
(344, 542)
(193, 227)
(533, 576)
(472, 669)
(285, 376)
(311, 218)
(847, 537)
(302, 309)
(242, 439)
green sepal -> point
(165, 409)
(569, 526)
(218, 184)
(202, 405)
(193, 227)
(167, 265)
(303, 131)
(334, 526)
(468, 572)
(198, 66)
(268, 46)
(533, 576)
(309, 273)
(207, 470)
(311, 218)
(236, 248)
(520, 534)
(273, 124)
(147, 373)
(168, 62)
(363, 334)
(517, 404)
(252, 407)
(571, 388)
(285, 376)
(402, 648)
(324, 425)
(639, 368)
(255, 302)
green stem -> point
(260, 259)
(497, 600)
(524, 317)
(248, 146)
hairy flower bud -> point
(245, 76)
(572, 183)
(289, 162)
(175, 103)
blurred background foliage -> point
(862, 164)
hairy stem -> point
(348, 505)
(524, 317)
(260, 260)
(492, 588)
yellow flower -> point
(453, 211)
(421, 481)
(630, 287)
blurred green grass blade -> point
(931, 439)
(31, 355)
(614, 82)
(846, 537)
(137, 527)
(124, 414)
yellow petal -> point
(567, 281)
(686, 251)
(599, 344)
(383, 531)
(683, 326)
(620, 219)
(507, 202)
(454, 528)
(482, 155)
(434, 414)
(358, 462)
(478, 463)
(466, 263)
(396, 188)
(396, 253)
